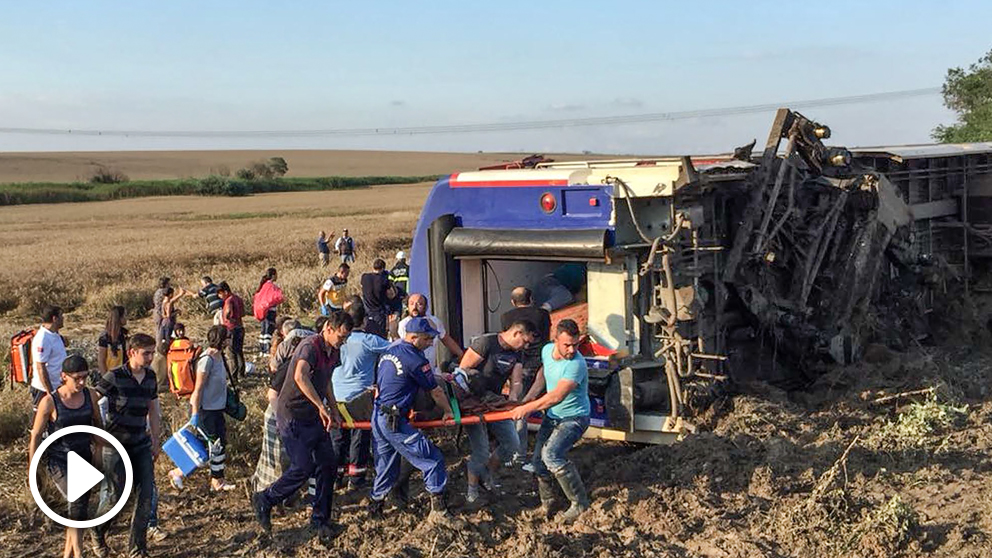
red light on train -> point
(548, 202)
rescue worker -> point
(353, 381)
(565, 421)
(304, 421)
(402, 371)
(332, 293)
(376, 298)
(522, 300)
(400, 272)
(488, 363)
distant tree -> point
(105, 175)
(969, 94)
(279, 166)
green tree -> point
(969, 94)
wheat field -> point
(86, 257)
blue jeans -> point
(554, 439)
(406, 443)
(505, 433)
(311, 453)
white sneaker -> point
(156, 534)
(472, 495)
(176, 478)
(529, 467)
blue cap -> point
(421, 325)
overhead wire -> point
(487, 127)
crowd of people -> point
(374, 351)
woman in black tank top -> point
(72, 404)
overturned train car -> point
(689, 272)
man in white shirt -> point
(416, 305)
(47, 354)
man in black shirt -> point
(375, 299)
(524, 310)
(489, 361)
(305, 413)
(132, 413)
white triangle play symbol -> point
(80, 476)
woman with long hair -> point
(71, 404)
(112, 345)
(269, 321)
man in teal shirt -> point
(565, 420)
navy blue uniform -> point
(402, 371)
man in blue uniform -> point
(403, 370)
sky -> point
(305, 65)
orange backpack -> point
(181, 361)
(20, 357)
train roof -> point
(902, 153)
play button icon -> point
(80, 476)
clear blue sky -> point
(223, 65)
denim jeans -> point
(141, 493)
(554, 439)
(505, 433)
(405, 443)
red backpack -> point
(181, 361)
(20, 356)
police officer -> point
(402, 371)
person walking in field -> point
(268, 296)
(306, 412)
(71, 404)
(47, 354)
(345, 247)
(208, 292)
(566, 418)
(323, 250)
(112, 344)
(169, 315)
(207, 404)
(134, 418)
(334, 291)
(232, 314)
(164, 283)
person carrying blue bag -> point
(207, 404)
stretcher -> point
(472, 416)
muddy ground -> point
(834, 470)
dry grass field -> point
(70, 166)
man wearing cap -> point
(344, 246)
(400, 273)
(403, 370)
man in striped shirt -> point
(134, 418)
(208, 292)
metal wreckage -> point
(701, 271)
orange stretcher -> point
(491, 416)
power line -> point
(492, 126)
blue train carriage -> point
(483, 233)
